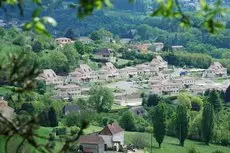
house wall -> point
(108, 140)
(95, 148)
(119, 137)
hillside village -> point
(156, 77)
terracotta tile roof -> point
(91, 139)
(111, 129)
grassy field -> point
(170, 145)
(122, 61)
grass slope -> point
(170, 145)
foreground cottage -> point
(215, 70)
(92, 144)
(113, 136)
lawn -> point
(170, 145)
(121, 61)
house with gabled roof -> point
(216, 69)
(83, 74)
(108, 72)
(50, 77)
(63, 41)
(158, 63)
(128, 72)
(104, 55)
(113, 136)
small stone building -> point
(215, 70)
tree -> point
(80, 47)
(52, 117)
(227, 95)
(197, 103)
(152, 100)
(214, 99)
(184, 100)
(182, 123)
(207, 123)
(69, 34)
(127, 121)
(40, 86)
(159, 122)
(101, 98)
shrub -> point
(218, 151)
(193, 150)
(60, 131)
(74, 130)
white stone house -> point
(83, 74)
(128, 72)
(158, 63)
(70, 90)
(185, 81)
(113, 136)
(63, 41)
(215, 70)
(50, 77)
(108, 72)
(166, 88)
(158, 46)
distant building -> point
(159, 63)
(185, 81)
(108, 72)
(83, 74)
(5, 110)
(177, 48)
(142, 48)
(215, 70)
(113, 136)
(63, 41)
(92, 144)
(50, 77)
(166, 88)
(158, 46)
(128, 72)
(104, 55)
(69, 90)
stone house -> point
(104, 55)
(108, 72)
(83, 74)
(63, 41)
(166, 88)
(128, 72)
(185, 81)
(113, 136)
(158, 63)
(5, 110)
(69, 90)
(143, 48)
(50, 77)
(158, 46)
(177, 48)
(145, 70)
(138, 110)
(215, 70)
(92, 144)
(159, 78)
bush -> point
(74, 130)
(60, 131)
(139, 141)
(218, 151)
(193, 150)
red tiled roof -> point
(111, 129)
(91, 139)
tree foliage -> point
(127, 121)
(182, 123)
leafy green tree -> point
(207, 123)
(52, 117)
(214, 99)
(127, 121)
(101, 98)
(80, 47)
(184, 100)
(182, 123)
(152, 100)
(58, 61)
(101, 34)
(40, 86)
(159, 122)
